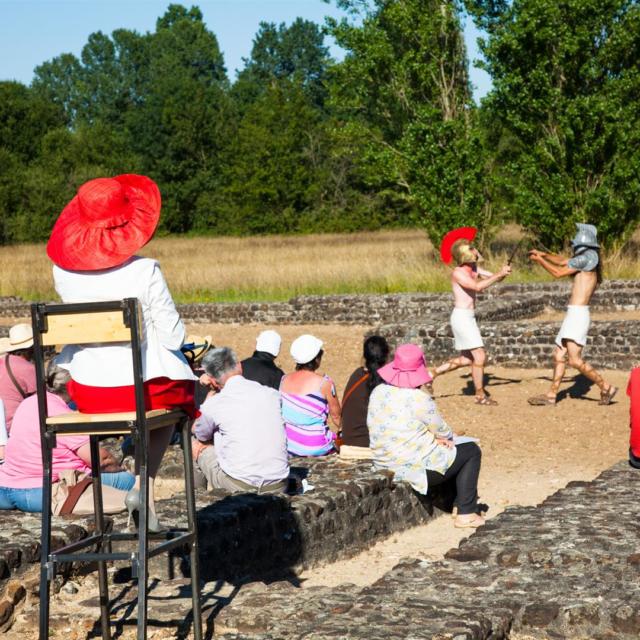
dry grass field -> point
(279, 267)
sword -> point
(513, 253)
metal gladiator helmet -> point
(586, 236)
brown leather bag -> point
(66, 492)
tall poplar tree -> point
(403, 91)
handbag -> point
(66, 492)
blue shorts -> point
(31, 499)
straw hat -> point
(195, 347)
(20, 337)
(106, 223)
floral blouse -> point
(403, 425)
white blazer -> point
(163, 331)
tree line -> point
(389, 136)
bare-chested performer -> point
(585, 269)
(466, 280)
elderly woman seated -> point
(21, 474)
(408, 435)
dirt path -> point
(528, 452)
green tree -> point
(404, 88)
(565, 112)
(295, 52)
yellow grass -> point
(279, 267)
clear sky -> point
(33, 31)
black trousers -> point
(465, 469)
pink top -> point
(25, 373)
(22, 468)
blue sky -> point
(32, 31)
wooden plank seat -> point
(119, 423)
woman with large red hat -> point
(93, 246)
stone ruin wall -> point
(505, 313)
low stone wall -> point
(242, 536)
(502, 302)
(566, 569)
(350, 508)
(612, 345)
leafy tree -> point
(296, 52)
(272, 173)
(25, 117)
(404, 88)
(566, 87)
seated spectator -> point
(243, 419)
(409, 437)
(17, 371)
(92, 246)
(3, 432)
(308, 399)
(21, 474)
(355, 401)
(261, 367)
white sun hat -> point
(305, 348)
(20, 337)
(269, 341)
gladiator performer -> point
(467, 279)
(586, 270)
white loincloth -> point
(575, 325)
(465, 329)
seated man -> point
(261, 366)
(244, 420)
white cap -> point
(305, 348)
(269, 341)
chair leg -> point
(100, 530)
(193, 528)
(143, 532)
(46, 575)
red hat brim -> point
(77, 245)
(461, 233)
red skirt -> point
(159, 393)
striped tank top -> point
(305, 420)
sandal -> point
(541, 401)
(486, 401)
(468, 521)
(607, 396)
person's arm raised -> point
(558, 269)
(466, 281)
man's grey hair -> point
(57, 378)
(220, 361)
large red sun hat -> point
(461, 233)
(107, 221)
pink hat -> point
(408, 368)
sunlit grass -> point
(276, 268)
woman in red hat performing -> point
(92, 246)
(467, 279)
